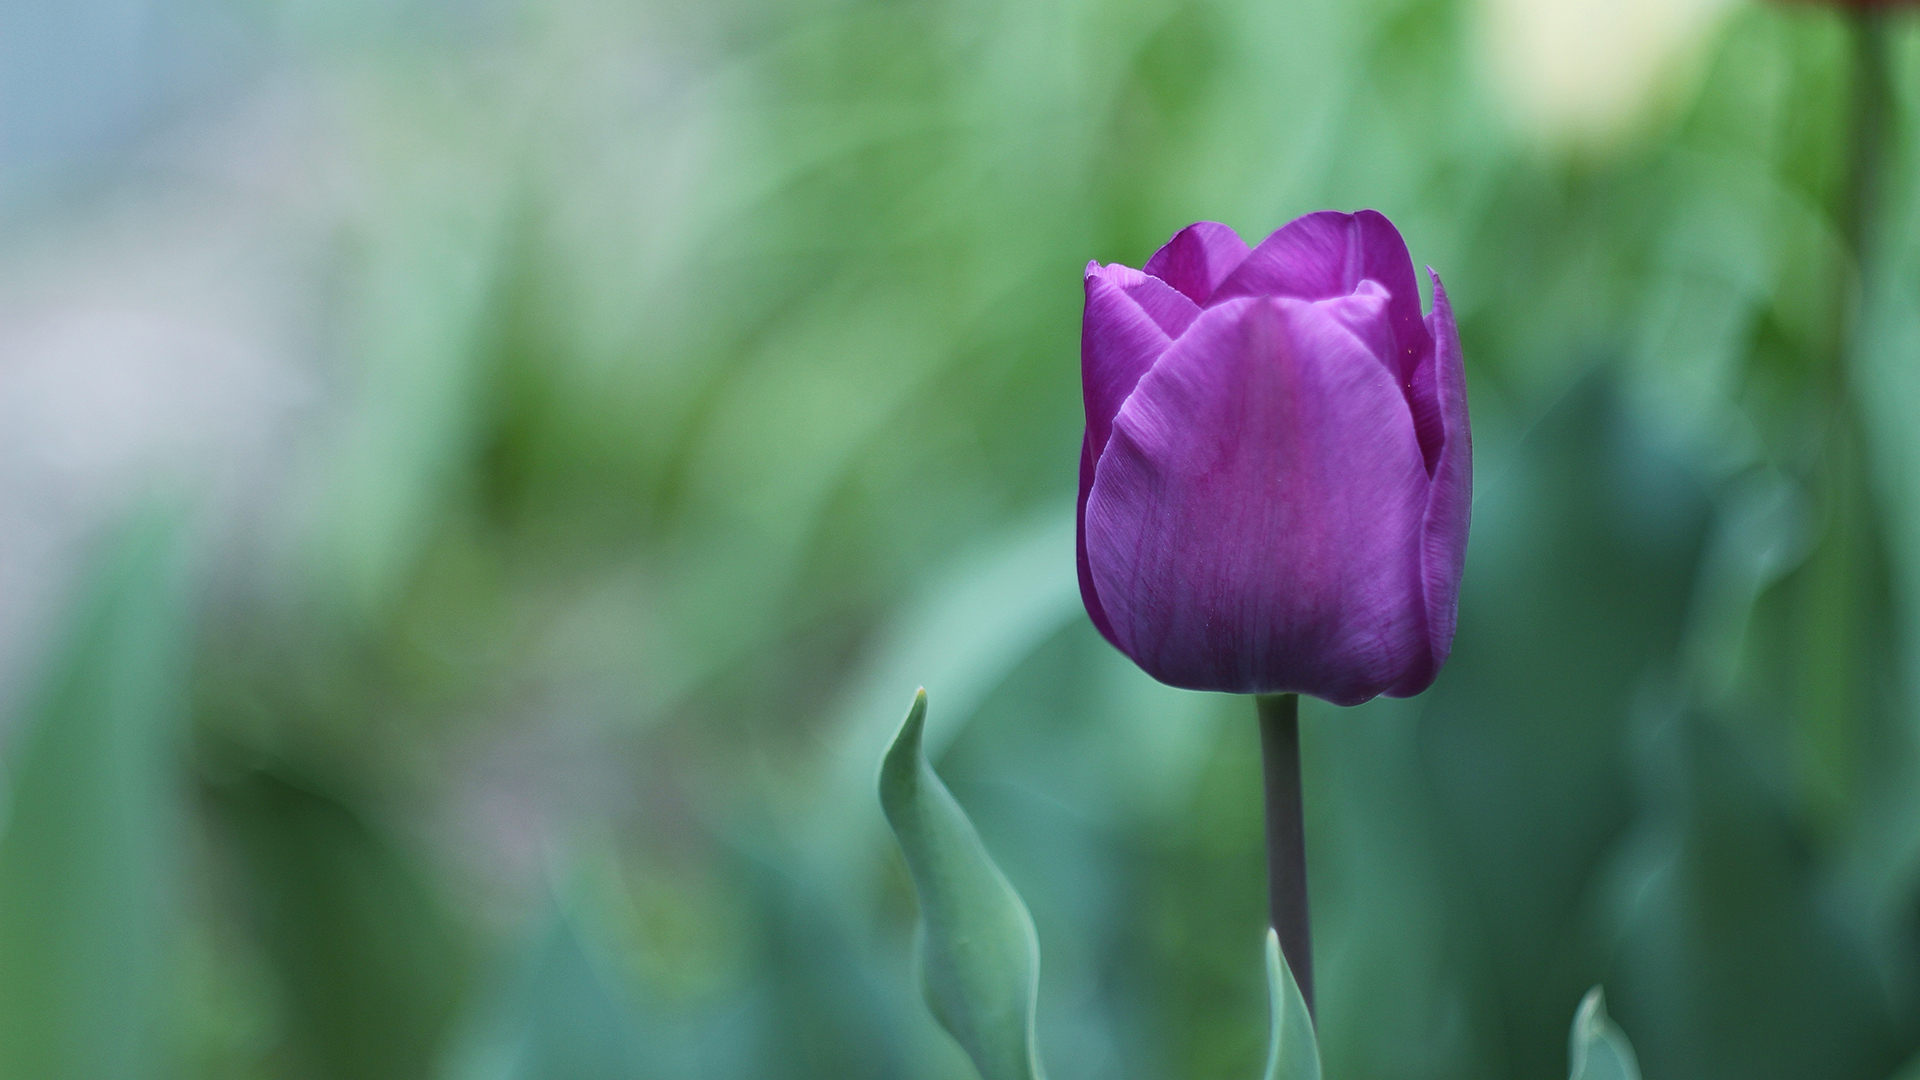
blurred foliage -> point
(689, 382)
(92, 843)
(979, 962)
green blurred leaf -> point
(1293, 1053)
(414, 325)
(92, 839)
(370, 967)
(1596, 514)
(1886, 392)
(979, 957)
(564, 1018)
(1727, 926)
(1597, 1047)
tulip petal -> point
(1329, 254)
(1089, 596)
(1130, 319)
(1165, 305)
(1253, 522)
(1443, 540)
(1198, 259)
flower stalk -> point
(1286, 835)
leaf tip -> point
(1598, 1049)
(900, 768)
(1593, 1009)
(1293, 1051)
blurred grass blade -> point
(1598, 1048)
(368, 963)
(1293, 1053)
(979, 958)
(92, 837)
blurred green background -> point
(480, 481)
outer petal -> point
(1253, 524)
(1130, 319)
(1198, 259)
(1088, 594)
(1329, 254)
(1443, 540)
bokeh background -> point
(480, 481)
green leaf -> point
(370, 966)
(92, 842)
(1598, 1048)
(566, 1016)
(1293, 1053)
(979, 958)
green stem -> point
(1834, 580)
(1286, 835)
(1872, 109)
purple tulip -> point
(1277, 470)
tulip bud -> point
(1277, 470)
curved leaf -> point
(1598, 1048)
(978, 955)
(1293, 1053)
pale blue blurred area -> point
(82, 84)
(80, 77)
(586, 424)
